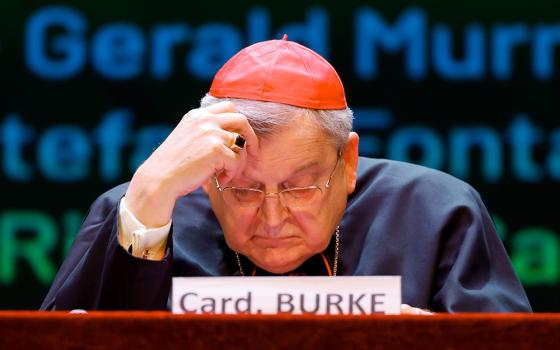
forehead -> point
(299, 144)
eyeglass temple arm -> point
(328, 184)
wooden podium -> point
(163, 330)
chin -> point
(280, 265)
(279, 269)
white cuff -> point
(146, 243)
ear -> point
(350, 156)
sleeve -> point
(98, 273)
(474, 273)
(145, 243)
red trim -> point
(326, 261)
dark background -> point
(42, 204)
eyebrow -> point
(311, 164)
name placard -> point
(343, 295)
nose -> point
(274, 212)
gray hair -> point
(266, 118)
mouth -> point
(275, 242)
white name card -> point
(343, 295)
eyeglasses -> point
(295, 197)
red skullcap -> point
(280, 71)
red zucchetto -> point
(280, 71)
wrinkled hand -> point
(196, 149)
(409, 310)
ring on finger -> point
(237, 143)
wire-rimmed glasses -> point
(295, 197)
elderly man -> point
(265, 179)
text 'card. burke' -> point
(344, 295)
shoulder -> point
(385, 176)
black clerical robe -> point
(426, 226)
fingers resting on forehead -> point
(237, 122)
(233, 164)
(221, 107)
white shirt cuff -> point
(146, 243)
